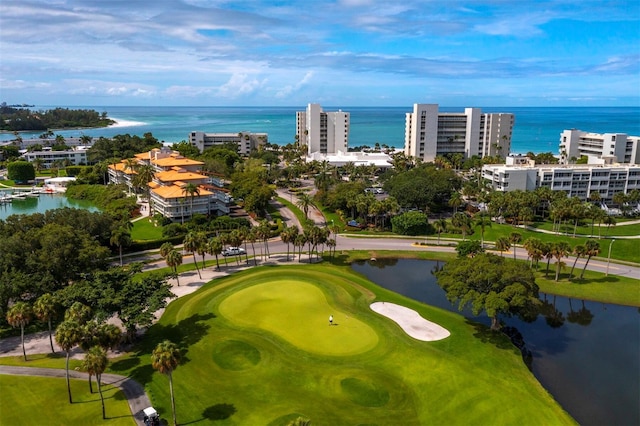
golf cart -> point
(151, 417)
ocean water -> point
(536, 129)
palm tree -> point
(78, 312)
(95, 362)
(68, 335)
(19, 315)
(174, 259)
(483, 219)
(559, 250)
(192, 190)
(120, 237)
(462, 222)
(533, 247)
(503, 244)
(190, 244)
(214, 247)
(165, 248)
(592, 248)
(165, 358)
(45, 310)
(304, 202)
(440, 226)
(514, 239)
(285, 236)
(455, 201)
(251, 237)
(144, 175)
(201, 245)
(579, 250)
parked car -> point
(233, 251)
(355, 224)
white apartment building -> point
(245, 141)
(576, 143)
(323, 132)
(49, 158)
(577, 180)
(430, 133)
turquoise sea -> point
(536, 129)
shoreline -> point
(118, 123)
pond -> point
(586, 354)
(40, 204)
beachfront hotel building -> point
(245, 141)
(430, 133)
(577, 180)
(167, 192)
(323, 132)
(619, 146)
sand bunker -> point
(411, 322)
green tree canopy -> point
(21, 171)
(489, 283)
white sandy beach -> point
(411, 322)
(125, 123)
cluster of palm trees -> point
(77, 329)
(538, 250)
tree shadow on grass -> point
(185, 333)
(124, 364)
(219, 411)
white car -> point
(233, 251)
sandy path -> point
(411, 322)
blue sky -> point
(340, 53)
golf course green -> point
(257, 349)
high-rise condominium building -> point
(323, 132)
(430, 133)
(576, 143)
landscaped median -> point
(258, 349)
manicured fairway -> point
(258, 350)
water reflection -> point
(586, 354)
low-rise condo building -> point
(430, 133)
(179, 189)
(323, 132)
(245, 141)
(577, 180)
(49, 159)
(576, 143)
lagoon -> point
(41, 204)
(586, 354)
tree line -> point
(19, 119)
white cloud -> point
(286, 91)
(239, 85)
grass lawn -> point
(257, 349)
(623, 249)
(43, 400)
(144, 230)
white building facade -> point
(576, 143)
(577, 180)
(245, 141)
(49, 158)
(430, 133)
(323, 132)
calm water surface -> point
(586, 354)
(40, 204)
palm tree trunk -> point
(585, 266)
(104, 414)
(68, 383)
(558, 270)
(217, 263)
(195, 262)
(24, 352)
(173, 401)
(573, 267)
(90, 384)
(51, 337)
(120, 254)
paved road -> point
(134, 392)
